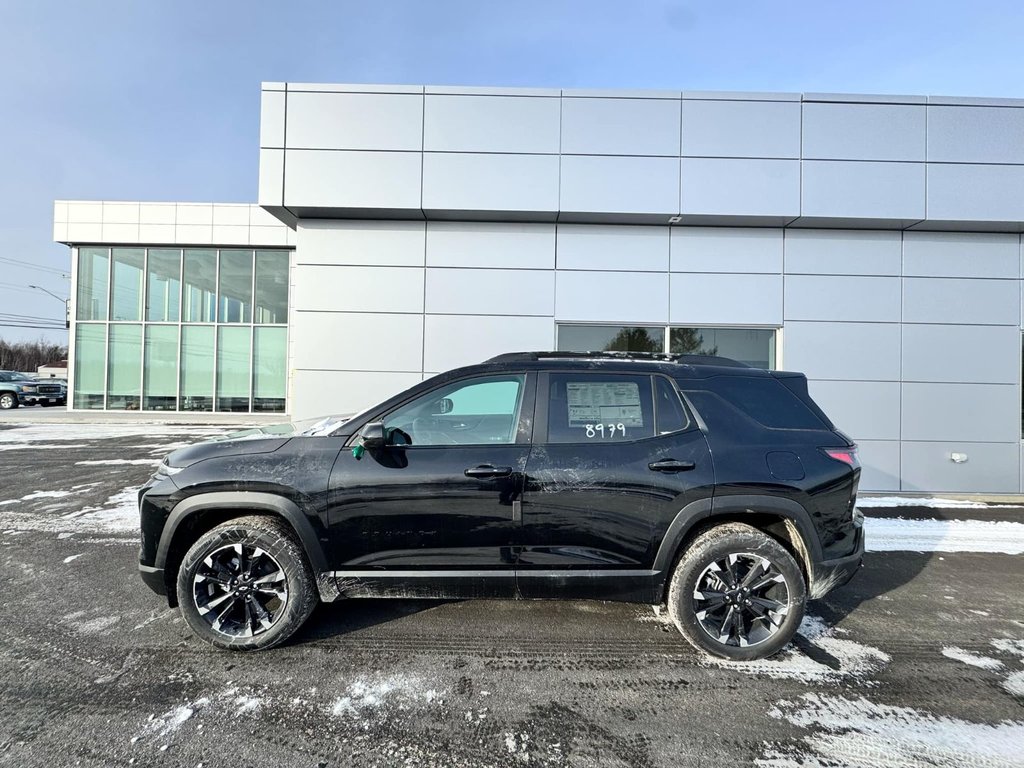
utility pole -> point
(67, 306)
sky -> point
(159, 99)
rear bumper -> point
(832, 574)
(153, 578)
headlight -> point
(28, 388)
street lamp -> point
(67, 308)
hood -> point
(209, 449)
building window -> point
(164, 329)
(754, 346)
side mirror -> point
(372, 435)
(443, 406)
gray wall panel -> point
(614, 247)
(472, 244)
(880, 465)
(726, 299)
(976, 192)
(816, 297)
(863, 132)
(959, 254)
(490, 291)
(954, 300)
(990, 467)
(729, 187)
(321, 178)
(645, 185)
(355, 121)
(521, 124)
(851, 190)
(328, 339)
(272, 119)
(447, 344)
(366, 289)
(613, 297)
(961, 353)
(361, 243)
(865, 410)
(315, 393)
(975, 134)
(969, 412)
(842, 252)
(724, 249)
(741, 128)
(470, 182)
(595, 126)
(846, 351)
(271, 178)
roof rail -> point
(660, 357)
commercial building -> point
(872, 242)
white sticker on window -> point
(604, 401)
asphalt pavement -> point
(918, 661)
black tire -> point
(753, 622)
(241, 585)
(8, 400)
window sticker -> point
(604, 402)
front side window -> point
(481, 411)
(590, 407)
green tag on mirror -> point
(358, 451)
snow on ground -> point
(117, 462)
(366, 695)
(119, 514)
(899, 535)
(847, 658)
(860, 732)
(973, 659)
(56, 432)
(929, 502)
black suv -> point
(719, 489)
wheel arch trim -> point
(243, 501)
(733, 507)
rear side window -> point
(766, 401)
(671, 416)
(593, 407)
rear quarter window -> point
(766, 401)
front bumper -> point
(153, 578)
(36, 399)
(832, 574)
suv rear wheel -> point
(737, 593)
(246, 585)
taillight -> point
(846, 455)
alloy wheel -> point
(240, 590)
(741, 600)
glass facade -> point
(754, 346)
(164, 329)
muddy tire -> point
(737, 593)
(246, 585)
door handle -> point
(488, 470)
(671, 465)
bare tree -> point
(27, 356)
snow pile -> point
(899, 535)
(972, 659)
(846, 658)
(395, 691)
(859, 732)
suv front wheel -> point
(737, 593)
(246, 585)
